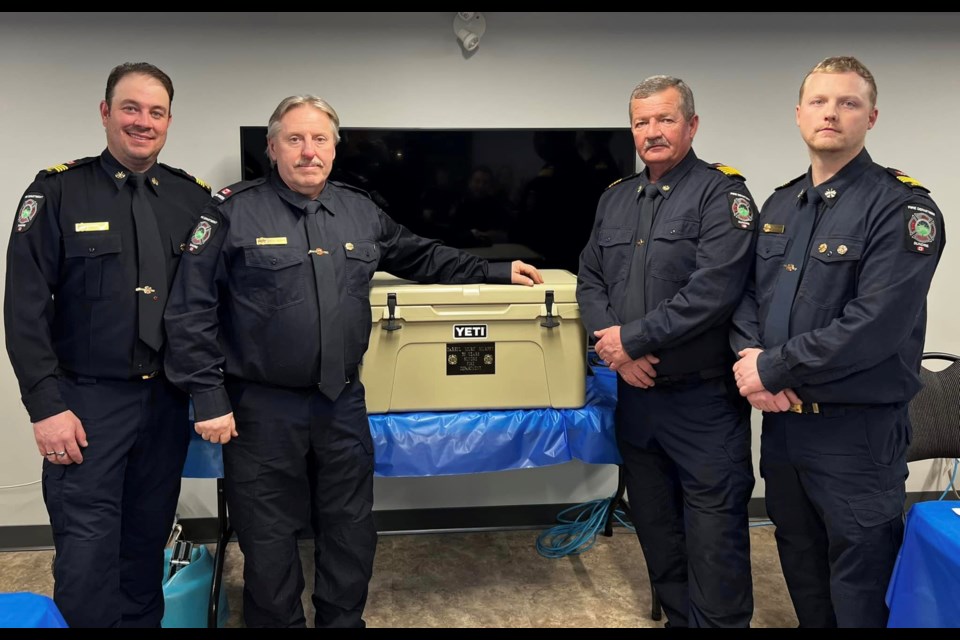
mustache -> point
(309, 163)
(654, 143)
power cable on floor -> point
(578, 529)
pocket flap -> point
(610, 237)
(771, 246)
(836, 249)
(91, 245)
(272, 258)
(366, 251)
(879, 507)
(678, 229)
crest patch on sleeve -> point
(201, 234)
(922, 227)
(742, 213)
(30, 206)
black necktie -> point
(322, 241)
(152, 268)
(636, 306)
(776, 329)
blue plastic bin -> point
(186, 594)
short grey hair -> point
(656, 84)
(292, 102)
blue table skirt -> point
(924, 590)
(29, 610)
(462, 442)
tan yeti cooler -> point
(445, 347)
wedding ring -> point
(60, 454)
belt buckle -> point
(150, 375)
(799, 408)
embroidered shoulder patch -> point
(905, 179)
(30, 206)
(727, 170)
(742, 213)
(619, 180)
(201, 234)
(60, 168)
(186, 175)
(789, 182)
(922, 229)
(236, 188)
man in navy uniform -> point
(830, 337)
(664, 269)
(268, 320)
(93, 251)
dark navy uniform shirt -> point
(859, 315)
(249, 309)
(696, 266)
(72, 269)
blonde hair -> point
(844, 64)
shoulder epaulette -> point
(60, 168)
(618, 181)
(351, 187)
(234, 189)
(728, 171)
(186, 175)
(905, 179)
(790, 182)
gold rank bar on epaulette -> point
(58, 168)
(727, 170)
(913, 183)
(202, 183)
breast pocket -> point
(770, 252)
(362, 259)
(272, 277)
(98, 256)
(674, 250)
(831, 273)
(616, 251)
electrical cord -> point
(578, 533)
(17, 486)
(951, 485)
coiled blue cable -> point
(578, 533)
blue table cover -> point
(24, 610)
(462, 442)
(924, 590)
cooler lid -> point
(561, 282)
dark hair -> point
(143, 68)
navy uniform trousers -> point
(689, 476)
(301, 460)
(112, 514)
(835, 491)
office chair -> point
(935, 412)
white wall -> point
(531, 70)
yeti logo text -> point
(469, 331)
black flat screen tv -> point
(503, 194)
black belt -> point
(695, 376)
(76, 377)
(830, 409)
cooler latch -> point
(392, 324)
(550, 321)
